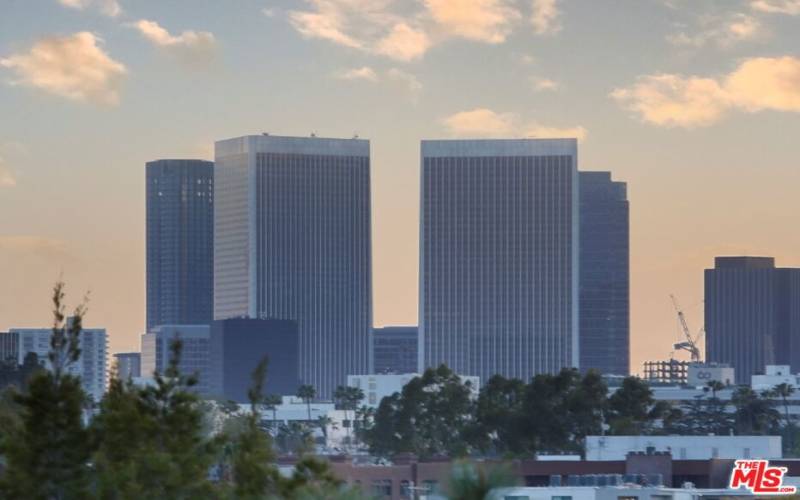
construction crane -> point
(690, 344)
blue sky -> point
(695, 103)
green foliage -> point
(307, 393)
(469, 481)
(150, 441)
(430, 417)
(347, 398)
(754, 412)
(46, 447)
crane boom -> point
(689, 344)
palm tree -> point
(714, 386)
(307, 393)
(271, 402)
(784, 391)
(347, 398)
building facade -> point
(194, 356)
(239, 344)
(129, 365)
(499, 256)
(752, 315)
(180, 242)
(91, 366)
(604, 274)
(293, 241)
(9, 347)
(394, 349)
(377, 387)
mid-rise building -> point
(91, 366)
(194, 353)
(394, 349)
(239, 344)
(180, 242)
(292, 240)
(604, 274)
(9, 347)
(499, 256)
(129, 365)
(752, 315)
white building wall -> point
(685, 447)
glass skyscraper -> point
(604, 275)
(293, 241)
(499, 256)
(752, 315)
(180, 238)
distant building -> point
(129, 365)
(180, 239)
(685, 447)
(395, 349)
(700, 374)
(752, 315)
(293, 241)
(92, 365)
(671, 371)
(377, 387)
(775, 375)
(499, 256)
(194, 355)
(9, 347)
(604, 274)
(239, 344)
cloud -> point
(7, 178)
(545, 18)
(408, 80)
(109, 8)
(544, 84)
(677, 101)
(405, 31)
(72, 66)
(725, 32)
(362, 73)
(483, 122)
(403, 43)
(489, 21)
(33, 245)
(790, 7)
(199, 45)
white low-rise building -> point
(377, 387)
(775, 375)
(685, 447)
(626, 492)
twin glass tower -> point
(500, 281)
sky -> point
(694, 103)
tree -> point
(499, 417)
(47, 451)
(469, 481)
(254, 473)
(151, 441)
(714, 386)
(630, 408)
(307, 393)
(754, 413)
(347, 398)
(431, 416)
(271, 403)
(313, 479)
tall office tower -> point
(394, 349)
(9, 347)
(91, 366)
(180, 242)
(604, 275)
(499, 256)
(292, 241)
(195, 352)
(752, 315)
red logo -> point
(758, 477)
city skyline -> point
(711, 168)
